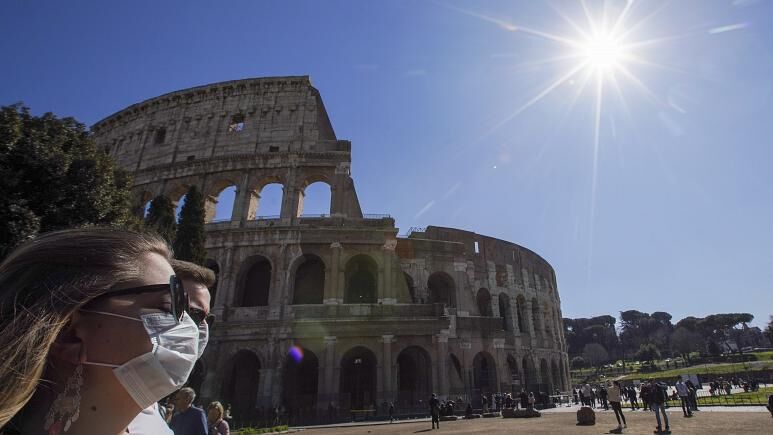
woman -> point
(78, 310)
(615, 397)
(217, 425)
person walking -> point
(524, 399)
(216, 419)
(586, 393)
(656, 400)
(684, 397)
(693, 394)
(188, 419)
(531, 401)
(603, 394)
(644, 394)
(391, 411)
(615, 398)
(434, 410)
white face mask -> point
(154, 375)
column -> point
(387, 384)
(441, 355)
(333, 295)
(327, 389)
(501, 362)
(265, 388)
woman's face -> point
(114, 340)
(213, 414)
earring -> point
(66, 407)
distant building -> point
(333, 309)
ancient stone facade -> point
(333, 312)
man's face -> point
(198, 295)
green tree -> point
(53, 177)
(161, 218)
(578, 362)
(190, 239)
(595, 354)
(684, 341)
(648, 352)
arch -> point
(221, 208)
(484, 303)
(358, 379)
(529, 374)
(256, 282)
(520, 304)
(361, 280)
(535, 314)
(484, 375)
(442, 289)
(300, 378)
(214, 267)
(544, 372)
(309, 280)
(268, 202)
(414, 377)
(505, 312)
(411, 287)
(241, 385)
(314, 199)
(547, 318)
(555, 375)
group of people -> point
(99, 324)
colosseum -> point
(332, 313)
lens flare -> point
(296, 353)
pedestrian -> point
(615, 398)
(434, 410)
(531, 401)
(684, 397)
(586, 393)
(692, 394)
(656, 401)
(391, 411)
(187, 419)
(770, 404)
(484, 404)
(603, 396)
(67, 298)
(524, 399)
(644, 394)
(216, 419)
(575, 395)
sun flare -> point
(603, 52)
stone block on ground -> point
(491, 414)
(586, 416)
(520, 413)
(471, 416)
(449, 418)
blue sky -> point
(670, 209)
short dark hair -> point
(193, 272)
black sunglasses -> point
(180, 301)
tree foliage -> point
(161, 218)
(595, 354)
(190, 239)
(53, 176)
(578, 362)
(648, 352)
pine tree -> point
(189, 242)
(161, 218)
(53, 177)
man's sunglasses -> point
(178, 295)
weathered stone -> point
(520, 413)
(326, 290)
(586, 416)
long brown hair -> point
(42, 282)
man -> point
(196, 281)
(434, 410)
(684, 397)
(586, 393)
(656, 402)
(188, 419)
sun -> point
(603, 52)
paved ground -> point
(750, 421)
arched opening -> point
(442, 289)
(361, 287)
(240, 389)
(414, 378)
(505, 312)
(411, 287)
(544, 371)
(214, 267)
(314, 200)
(268, 203)
(535, 314)
(484, 376)
(529, 375)
(520, 303)
(300, 379)
(309, 285)
(556, 375)
(224, 205)
(547, 317)
(484, 303)
(515, 377)
(256, 283)
(358, 379)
